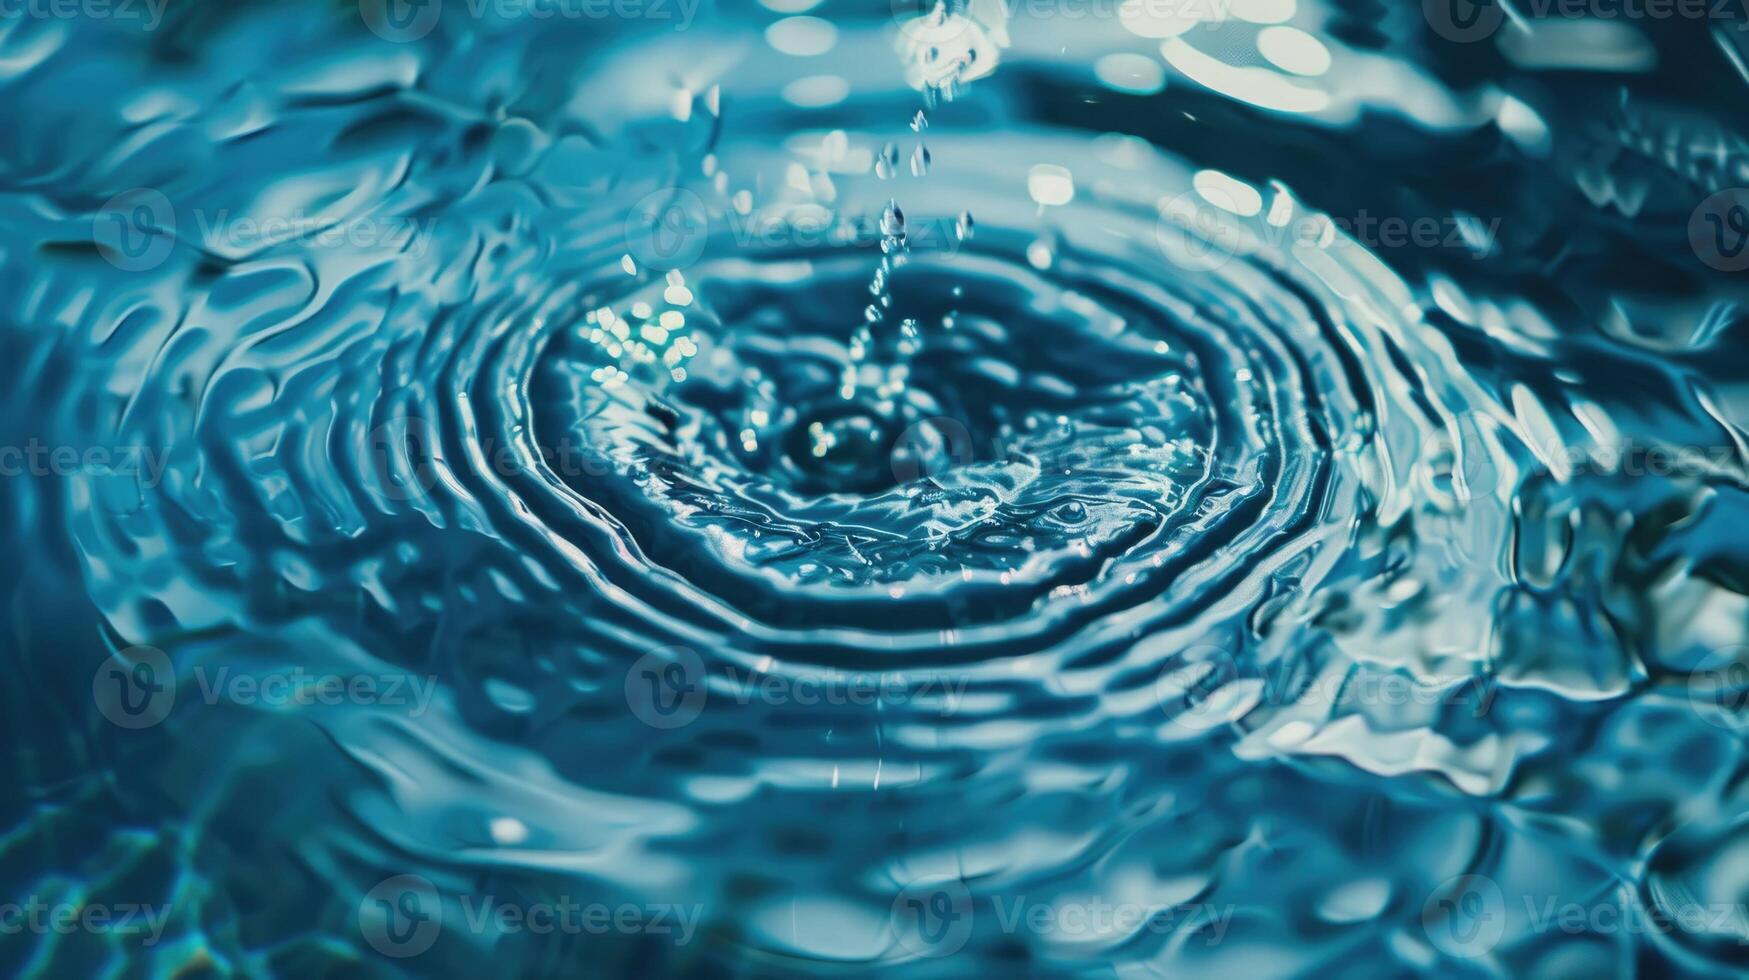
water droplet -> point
(892, 221)
(887, 162)
(920, 161)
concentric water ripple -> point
(1146, 575)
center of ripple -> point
(993, 436)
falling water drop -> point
(887, 162)
(893, 221)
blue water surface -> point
(1241, 488)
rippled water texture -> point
(785, 490)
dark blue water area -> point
(1247, 488)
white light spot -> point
(508, 830)
(1281, 210)
(816, 91)
(1262, 87)
(803, 37)
(1292, 49)
(1227, 193)
(1263, 11)
(1050, 184)
(1131, 73)
(1522, 123)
